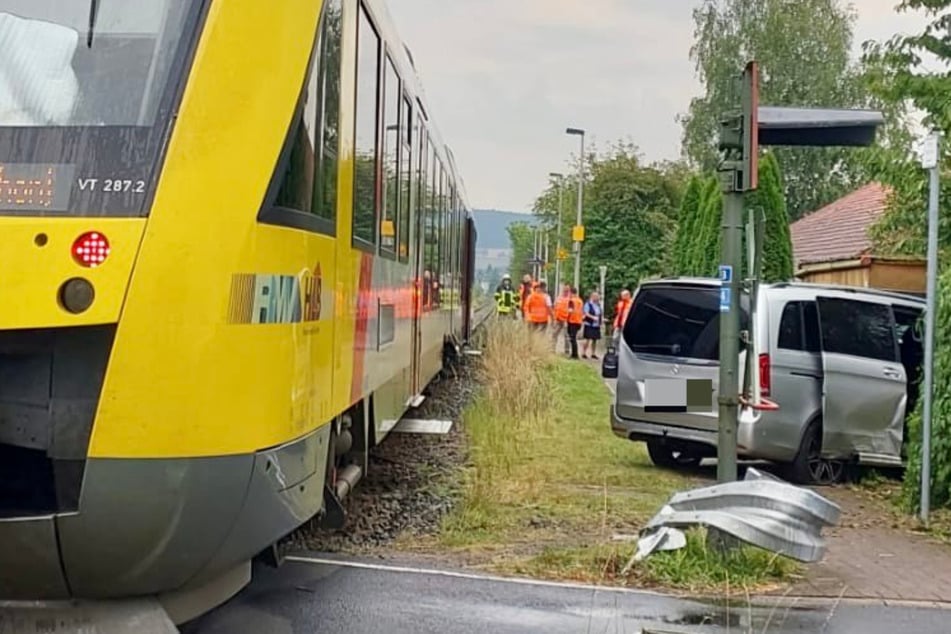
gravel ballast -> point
(413, 478)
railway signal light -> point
(739, 132)
(742, 133)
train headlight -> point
(76, 295)
(91, 249)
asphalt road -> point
(366, 597)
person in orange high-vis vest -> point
(538, 308)
(559, 327)
(524, 290)
(621, 310)
(575, 319)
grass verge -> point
(549, 486)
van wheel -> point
(809, 467)
(663, 455)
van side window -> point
(810, 322)
(790, 327)
(799, 327)
(858, 329)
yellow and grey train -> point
(235, 251)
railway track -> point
(482, 314)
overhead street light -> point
(578, 231)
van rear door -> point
(864, 393)
(670, 346)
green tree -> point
(687, 221)
(803, 48)
(905, 79)
(630, 216)
(522, 239)
(705, 248)
(777, 243)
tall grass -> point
(512, 376)
(548, 485)
(514, 402)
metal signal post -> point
(741, 135)
(931, 162)
(738, 172)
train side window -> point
(303, 188)
(446, 230)
(365, 191)
(432, 238)
(329, 87)
(391, 166)
(419, 208)
(450, 231)
(406, 162)
(441, 231)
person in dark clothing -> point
(593, 320)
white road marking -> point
(760, 601)
(468, 575)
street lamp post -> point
(577, 243)
(560, 178)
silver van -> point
(841, 363)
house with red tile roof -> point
(839, 231)
(831, 245)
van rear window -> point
(679, 321)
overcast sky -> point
(504, 78)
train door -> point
(468, 275)
(418, 247)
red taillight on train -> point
(91, 249)
(764, 377)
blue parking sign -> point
(726, 273)
(725, 299)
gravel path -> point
(413, 478)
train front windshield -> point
(87, 89)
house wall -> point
(889, 275)
(905, 277)
(851, 276)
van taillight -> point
(764, 378)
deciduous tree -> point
(522, 239)
(803, 48)
(630, 217)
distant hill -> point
(492, 224)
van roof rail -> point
(850, 289)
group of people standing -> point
(567, 314)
